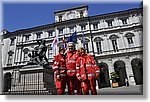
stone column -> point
(129, 71)
(110, 67)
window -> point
(50, 51)
(25, 56)
(83, 27)
(38, 35)
(71, 29)
(99, 47)
(87, 47)
(16, 77)
(50, 33)
(124, 21)
(130, 40)
(95, 26)
(115, 47)
(61, 31)
(129, 37)
(98, 41)
(12, 41)
(26, 50)
(81, 14)
(60, 18)
(27, 38)
(10, 58)
(109, 23)
(114, 38)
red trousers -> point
(60, 86)
(73, 82)
(89, 84)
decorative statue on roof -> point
(38, 54)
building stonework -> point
(115, 39)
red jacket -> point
(71, 63)
(86, 67)
(59, 66)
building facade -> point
(115, 39)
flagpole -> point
(83, 39)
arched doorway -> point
(7, 82)
(119, 67)
(137, 67)
(103, 79)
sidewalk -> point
(130, 90)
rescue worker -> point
(72, 80)
(87, 72)
(59, 68)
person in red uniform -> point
(87, 72)
(59, 68)
(72, 80)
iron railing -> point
(32, 82)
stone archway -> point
(137, 67)
(119, 67)
(103, 79)
(7, 82)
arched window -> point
(98, 41)
(114, 38)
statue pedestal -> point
(34, 79)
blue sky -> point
(18, 16)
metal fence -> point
(32, 82)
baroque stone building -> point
(115, 39)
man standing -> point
(87, 72)
(59, 68)
(71, 58)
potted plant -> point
(114, 77)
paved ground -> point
(130, 90)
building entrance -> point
(137, 67)
(103, 79)
(119, 67)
